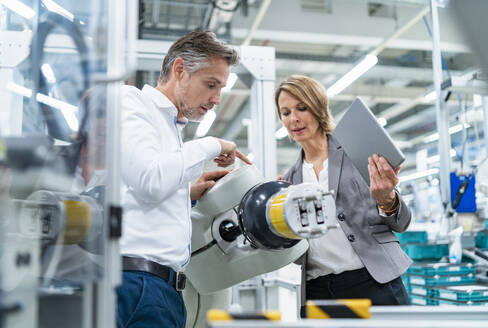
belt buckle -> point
(180, 281)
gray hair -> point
(196, 49)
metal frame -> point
(441, 109)
(257, 71)
(485, 122)
(116, 69)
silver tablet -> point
(360, 135)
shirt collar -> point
(181, 123)
(160, 99)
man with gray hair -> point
(157, 168)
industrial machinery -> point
(244, 227)
(60, 215)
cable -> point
(56, 124)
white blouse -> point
(331, 253)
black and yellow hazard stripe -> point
(342, 308)
(221, 315)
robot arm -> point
(276, 215)
(244, 227)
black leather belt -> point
(161, 271)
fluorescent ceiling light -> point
(205, 124)
(231, 80)
(452, 130)
(382, 121)
(69, 111)
(48, 73)
(19, 8)
(246, 121)
(20, 90)
(430, 96)
(281, 133)
(418, 175)
(54, 7)
(402, 144)
(351, 76)
(437, 158)
(477, 101)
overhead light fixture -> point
(69, 111)
(281, 133)
(452, 130)
(231, 80)
(382, 121)
(20, 90)
(437, 158)
(19, 8)
(351, 76)
(246, 121)
(402, 144)
(54, 7)
(430, 96)
(48, 73)
(205, 124)
(477, 101)
(418, 175)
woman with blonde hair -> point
(362, 257)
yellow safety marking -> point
(276, 214)
(360, 306)
(3, 150)
(273, 315)
(221, 315)
(78, 221)
(314, 312)
(341, 308)
(218, 315)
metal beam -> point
(441, 109)
(485, 122)
(258, 68)
(286, 21)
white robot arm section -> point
(244, 227)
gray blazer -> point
(370, 234)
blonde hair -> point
(312, 94)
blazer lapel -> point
(336, 155)
(297, 176)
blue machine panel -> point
(468, 201)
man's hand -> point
(383, 179)
(205, 182)
(229, 153)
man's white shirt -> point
(157, 168)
